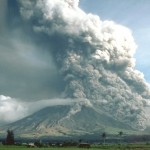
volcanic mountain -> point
(58, 121)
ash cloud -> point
(93, 58)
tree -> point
(104, 137)
(10, 137)
(80, 140)
(120, 134)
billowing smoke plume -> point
(94, 57)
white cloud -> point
(11, 109)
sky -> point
(54, 52)
(132, 14)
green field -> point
(94, 147)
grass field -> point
(97, 147)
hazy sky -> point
(134, 14)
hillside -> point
(57, 121)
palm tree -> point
(120, 134)
(104, 137)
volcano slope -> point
(58, 121)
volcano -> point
(57, 121)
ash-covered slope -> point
(43, 122)
(57, 121)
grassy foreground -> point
(93, 147)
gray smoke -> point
(95, 58)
